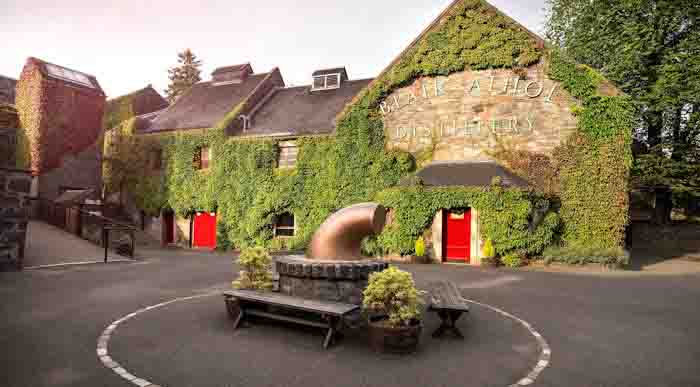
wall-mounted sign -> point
(461, 114)
(508, 86)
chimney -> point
(231, 74)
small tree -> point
(256, 273)
(393, 293)
(184, 75)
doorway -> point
(204, 230)
(168, 227)
(457, 235)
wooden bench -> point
(243, 303)
(447, 301)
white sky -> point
(128, 44)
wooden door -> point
(457, 236)
(204, 230)
(168, 228)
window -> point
(326, 82)
(288, 154)
(202, 157)
(284, 225)
(69, 75)
(155, 159)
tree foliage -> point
(182, 76)
(651, 50)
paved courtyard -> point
(603, 330)
(48, 245)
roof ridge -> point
(58, 65)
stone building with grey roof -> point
(265, 107)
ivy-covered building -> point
(60, 112)
(477, 137)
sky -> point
(128, 44)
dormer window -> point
(231, 74)
(326, 82)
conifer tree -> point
(182, 76)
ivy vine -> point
(247, 190)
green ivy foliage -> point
(247, 190)
(118, 110)
(504, 215)
(595, 162)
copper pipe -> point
(339, 238)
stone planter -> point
(388, 339)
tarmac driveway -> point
(603, 330)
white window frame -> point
(287, 145)
(325, 82)
(293, 228)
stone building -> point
(7, 90)
(268, 109)
(474, 85)
(60, 113)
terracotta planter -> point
(389, 339)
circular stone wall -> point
(341, 281)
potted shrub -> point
(420, 250)
(488, 254)
(394, 304)
(255, 274)
(256, 270)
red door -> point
(204, 230)
(457, 236)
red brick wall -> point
(68, 117)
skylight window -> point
(69, 75)
(326, 82)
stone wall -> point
(82, 170)
(15, 204)
(464, 115)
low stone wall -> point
(15, 205)
(330, 281)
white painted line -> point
(115, 260)
(545, 353)
(541, 364)
(103, 340)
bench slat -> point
(446, 295)
(280, 317)
(282, 300)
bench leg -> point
(238, 319)
(235, 310)
(333, 330)
(448, 323)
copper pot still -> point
(340, 236)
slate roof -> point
(7, 90)
(204, 105)
(44, 68)
(227, 69)
(298, 111)
(470, 174)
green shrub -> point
(504, 216)
(581, 255)
(393, 293)
(420, 247)
(488, 251)
(256, 273)
(512, 260)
